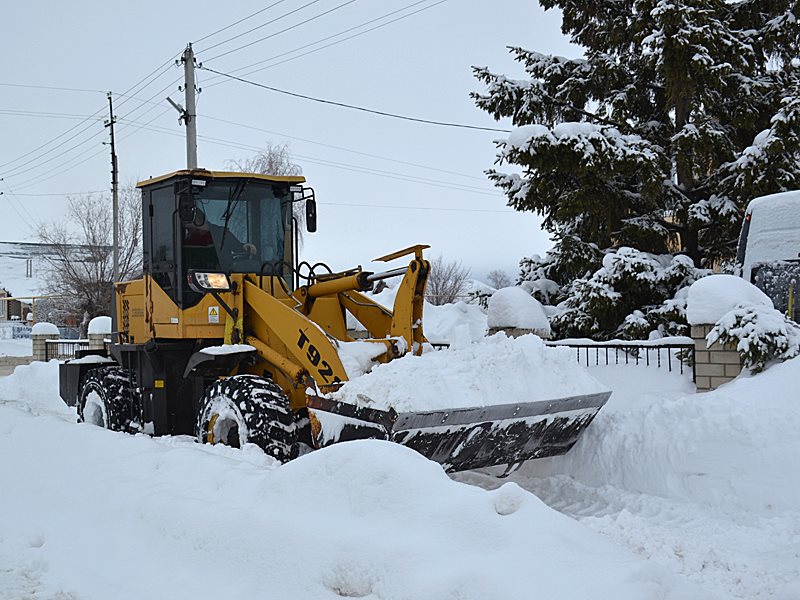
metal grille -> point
(64, 349)
(661, 356)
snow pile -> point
(451, 322)
(357, 357)
(703, 485)
(44, 328)
(34, 388)
(727, 448)
(713, 296)
(83, 504)
(496, 370)
(514, 307)
(99, 325)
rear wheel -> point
(106, 399)
(247, 409)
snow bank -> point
(713, 296)
(730, 448)
(496, 370)
(81, 505)
(451, 322)
(100, 325)
(44, 328)
(514, 307)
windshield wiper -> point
(233, 200)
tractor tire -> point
(247, 409)
(107, 399)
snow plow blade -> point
(464, 438)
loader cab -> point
(218, 222)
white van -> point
(769, 249)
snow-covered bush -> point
(760, 333)
(631, 295)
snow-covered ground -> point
(704, 485)
(14, 347)
(669, 495)
(88, 513)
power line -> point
(86, 193)
(242, 20)
(344, 149)
(51, 115)
(51, 87)
(150, 78)
(21, 204)
(33, 182)
(343, 166)
(437, 208)
(236, 37)
(344, 31)
(354, 107)
(277, 33)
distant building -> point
(22, 275)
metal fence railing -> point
(678, 355)
(64, 349)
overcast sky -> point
(418, 66)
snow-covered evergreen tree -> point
(679, 113)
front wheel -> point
(247, 409)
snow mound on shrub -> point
(760, 333)
(514, 307)
(713, 296)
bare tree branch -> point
(446, 282)
(80, 266)
(498, 279)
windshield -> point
(239, 225)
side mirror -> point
(311, 215)
(186, 207)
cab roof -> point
(223, 175)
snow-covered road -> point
(668, 496)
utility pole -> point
(114, 187)
(190, 116)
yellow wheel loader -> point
(227, 338)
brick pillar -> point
(97, 341)
(40, 333)
(716, 364)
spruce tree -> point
(679, 113)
